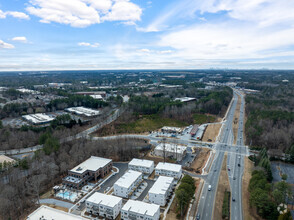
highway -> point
(207, 199)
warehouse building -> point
(174, 151)
(140, 210)
(92, 169)
(103, 205)
(200, 132)
(126, 185)
(144, 166)
(169, 169)
(185, 99)
(38, 119)
(161, 190)
(82, 111)
(194, 130)
(171, 130)
(46, 213)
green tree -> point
(1, 124)
(182, 198)
(51, 145)
(284, 177)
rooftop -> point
(93, 164)
(161, 185)
(5, 158)
(176, 129)
(141, 162)
(171, 148)
(128, 178)
(169, 166)
(83, 111)
(103, 199)
(141, 207)
(38, 118)
(185, 99)
(48, 213)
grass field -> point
(201, 118)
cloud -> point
(4, 45)
(14, 14)
(20, 39)
(144, 50)
(85, 44)
(83, 13)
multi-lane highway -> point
(207, 199)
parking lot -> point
(279, 168)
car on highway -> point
(233, 199)
(229, 169)
(239, 165)
(198, 216)
(209, 187)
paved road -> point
(56, 202)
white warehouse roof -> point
(128, 178)
(103, 199)
(93, 164)
(161, 185)
(48, 213)
(185, 99)
(141, 162)
(175, 129)
(38, 118)
(140, 207)
(171, 148)
(83, 111)
(169, 166)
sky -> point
(142, 34)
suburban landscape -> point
(146, 110)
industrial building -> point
(90, 170)
(171, 130)
(38, 119)
(169, 169)
(140, 210)
(46, 213)
(161, 190)
(194, 130)
(144, 166)
(174, 151)
(126, 185)
(104, 205)
(185, 99)
(82, 111)
(200, 132)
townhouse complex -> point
(144, 166)
(140, 210)
(175, 151)
(169, 169)
(161, 190)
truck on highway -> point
(209, 187)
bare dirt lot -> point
(211, 132)
(248, 212)
(223, 185)
(236, 119)
(200, 159)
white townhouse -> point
(161, 190)
(175, 151)
(137, 210)
(103, 205)
(127, 184)
(144, 166)
(169, 169)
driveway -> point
(56, 202)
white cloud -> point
(4, 45)
(85, 44)
(20, 39)
(144, 50)
(15, 14)
(83, 13)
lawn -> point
(201, 118)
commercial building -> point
(103, 205)
(82, 111)
(194, 130)
(38, 119)
(144, 166)
(185, 99)
(126, 185)
(6, 162)
(90, 170)
(161, 190)
(140, 210)
(169, 169)
(171, 130)
(200, 132)
(166, 150)
(48, 213)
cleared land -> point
(223, 185)
(236, 119)
(248, 212)
(211, 132)
(202, 118)
(142, 125)
(200, 160)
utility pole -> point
(163, 149)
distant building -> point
(82, 111)
(169, 169)
(48, 213)
(161, 190)
(171, 130)
(185, 99)
(38, 119)
(144, 166)
(103, 205)
(102, 93)
(200, 132)
(126, 185)
(166, 150)
(90, 170)
(6, 162)
(98, 97)
(194, 130)
(134, 210)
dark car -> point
(198, 216)
(239, 165)
(233, 199)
